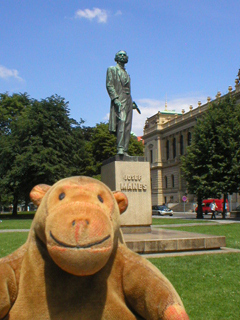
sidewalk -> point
(211, 223)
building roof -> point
(170, 112)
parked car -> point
(206, 206)
(161, 210)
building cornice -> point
(180, 120)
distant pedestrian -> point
(213, 208)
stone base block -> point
(131, 175)
(163, 240)
(136, 229)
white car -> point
(162, 210)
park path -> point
(208, 223)
(212, 223)
(14, 230)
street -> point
(188, 215)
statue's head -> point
(121, 56)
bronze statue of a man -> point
(118, 87)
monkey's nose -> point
(82, 221)
(80, 226)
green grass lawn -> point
(209, 285)
(10, 241)
(15, 224)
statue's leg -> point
(128, 126)
(120, 131)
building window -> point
(174, 148)
(181, 145)
(189, 138)
(166, 182)
(151, 156)
(167, 149)
(173, 182)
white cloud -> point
(6, 73)
(118, 13)
(106, 118)
(99, 14)
(149, 107)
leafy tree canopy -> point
(212, 164)
(103, 145)
(36, 143)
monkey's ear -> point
(38, 192)
(122, 201)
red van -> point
(219, 202)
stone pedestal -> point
(131, 175)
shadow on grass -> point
(19, 216)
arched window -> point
(167, 149)
(150, 147)
(181, 145)
(166, 182)
(173, 182)
(189, 138)
(174, 147)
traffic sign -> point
(184, 198)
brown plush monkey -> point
(75, 265)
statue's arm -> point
(149, 292)
(110, 79)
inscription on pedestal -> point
(132, 178)
(132, 183)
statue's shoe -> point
(120, 151)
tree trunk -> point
(26, 204)
(199, 210)
(15, 204)
(224, 206)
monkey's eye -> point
(61, 196)
(100, 198)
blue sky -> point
(182, 51)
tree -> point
(212, 164)
(37, 144)
(103, 145)
(195, 172)
(135, 147)
(82, 157)
(11, 109)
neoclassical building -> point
(166, 137)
